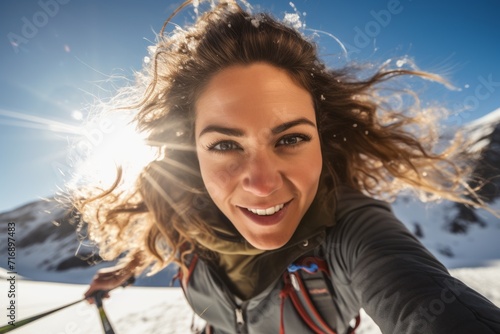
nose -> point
(262, 176)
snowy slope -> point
(138, 310)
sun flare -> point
(107, 144)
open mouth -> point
(268, 216)
(267, 212)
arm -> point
(109, 278)
(399, 283)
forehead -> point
(257, 93)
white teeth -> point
(267, 212)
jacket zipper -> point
(240, 322)
(239, 310)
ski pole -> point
(7, 328)
(106, 325)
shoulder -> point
(367, 231)
(359, 218)
(351, 202)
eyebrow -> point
(239, 133)
(288, 125)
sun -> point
(106, 144)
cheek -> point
(310, 179)
(310, 172)
(218, 175)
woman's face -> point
(259, 151)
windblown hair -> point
(367, 143)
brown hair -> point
(366, 143)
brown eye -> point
(291, 140)
(223, 146)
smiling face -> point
(259, 151)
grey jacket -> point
(375, 264)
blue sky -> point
(66, 49)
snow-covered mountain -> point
(45, 243)
(461, 236)
(48, 246)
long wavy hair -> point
(368, 143)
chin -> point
(269, 243)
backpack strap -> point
(185, 278)
(191, 261)
(309, 287)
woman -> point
(268, 156)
